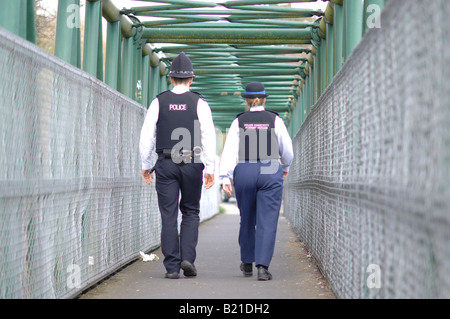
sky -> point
(53, 4)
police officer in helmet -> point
(257, 155)
(179, 126)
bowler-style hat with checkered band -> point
(182, 67)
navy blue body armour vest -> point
(178, 121)
(258, 141)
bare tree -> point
(45, 26)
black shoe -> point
(188, 268)
(172, 275)
(264, 274)
(247, 269)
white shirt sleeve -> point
(230, 153)
(208, 136)
(148, 135)
(285, 144)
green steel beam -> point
(338, 22)
(262, 23)
(18, 17)
(92, 35)
(353, 12)
(30, 22)
(263, 36)
(126, 82)
(67, 42)
(187, 3)
(113, 56)
(248, 71)
(10, 15)
(237, 3)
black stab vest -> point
(177, 121)
(258, 141)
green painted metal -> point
(127, 68)
(323, 66)
(67, 43)
(353, 25)
(18, 17)
(145, 80)
(237, 3)
(187, 3)
(248, 71)
(113, 39)
(329, 16)
(154, 82)
(30, 22)
(92, 37)
(338, 22)
(230, 44)
(10, 15)
(217, 35)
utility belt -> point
(181, 156)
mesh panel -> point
(371, 181)
(73, 206)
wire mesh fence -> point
(73, 206)
(369, 191)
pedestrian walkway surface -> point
(295, 275)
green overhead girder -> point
(294, 52)
(218, 35)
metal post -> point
(323, 65)
(338, 22)
(127, 67)
(353, 25)
(317, 75)
(67, 43)
(113, 39)
(138, 72)
(146, 76)
(162, 83)
(92, 34)
(10, 17)
(30, 22)
(154, 82)
(329, 19)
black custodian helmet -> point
(182, 67)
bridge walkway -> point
(295, 275)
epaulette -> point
(273, 112)
(162, 93)
(199, 94)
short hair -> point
(179, 81)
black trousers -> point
(173, 180)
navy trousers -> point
(259, 194)
(171, 181)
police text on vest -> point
(177, 107)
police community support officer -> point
(182, 124)
(257, 142)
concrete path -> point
(295, 275)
